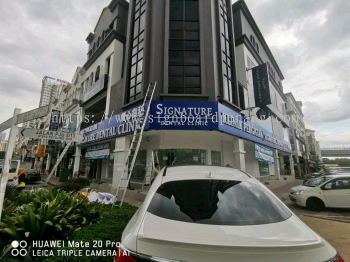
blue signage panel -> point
(233, 123)
(185, 115)
(264, 154)
(118, 125)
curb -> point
(329, 218)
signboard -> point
(263, 154)
(5, 125)
(118, 125)
(33, 114)
(97, 152)
(40, 151)
(50, 135)
(261, 85)
(55, 120)
(184, 115)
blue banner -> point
(185, 115)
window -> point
(339, 184)
(184, 49)
(176, 157)
(264, 169)
(216, 158)
(137, 49)
(97, 74)
(217, 202)
(230, 93)
(91, 79)
(98, 42)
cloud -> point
(41, 38)
(311, 42)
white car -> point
(325, 191)
(207, 213)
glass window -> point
(192, 58)
(137, 46)
(97, 74)
(217, 202)
(139, 172)
(175, 157)
(184, 48)
(176, 70)
(191, 10)
(264, 168)
(176, 10)
(192, 81)
(216, 158)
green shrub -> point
(45, 215)
(65, 174)
(75, 184)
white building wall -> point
(115, 52)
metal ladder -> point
(134, 146)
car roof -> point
(338, 176)
(176, 173)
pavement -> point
(336, 233)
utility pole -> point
(8, 157)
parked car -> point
(315, 174)
(14, 168)
(206, 213)
(325, 191)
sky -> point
(310, 41)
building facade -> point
(313, 147)
(297, 135)
(200, 112)
(252, 51)
(100, 80)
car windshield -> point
(217, 202)
(314, 182)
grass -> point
(109, 228)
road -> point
(332, 224)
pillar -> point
(239, 154)
(149, 166)
(77, 157)
(122, 145)
(48, 163)
(291, 166)
(277, 165)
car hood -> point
(300, 188)
(176, 240)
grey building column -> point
(291, 166)
(48, 163)
(122, 145)
(299, 167)
(77, 157)
(277, 165)
(239, 154)
(149, 166)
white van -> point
(14, 167)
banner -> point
(261, 85)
